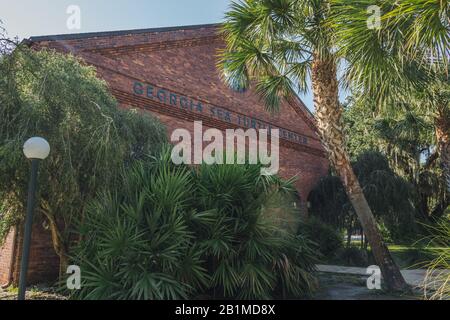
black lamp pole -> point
(28, 228)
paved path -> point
(415, 278)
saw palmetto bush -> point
(178, 232)
(136, 243)
(249, 256)
(437, 281)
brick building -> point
(171, 72)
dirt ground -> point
(34, 293)
(332, 287)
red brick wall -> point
(308, 168)
(6, 255)
(185, 62)
(43, 261)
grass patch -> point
(407, 257)
(413, 257)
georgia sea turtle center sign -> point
(173, 99)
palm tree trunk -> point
(442, 128)
(330, 125)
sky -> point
(25, 18)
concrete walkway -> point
(415, 278)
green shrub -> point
(135, 243)
(178, 232)
(58, 97)
(327, 238)
(385, 232)
(390, 197)
(353, 256)
(412, 257)
(249, 256)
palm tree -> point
(275, 44)
(416, 31)
(406, 133)
(439, 103)
(434, 100)
(429, 31)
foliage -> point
(248, 254)
(401, 133)
(399, 78)
(278, 45)
(179, 232)
(57, 97)
(359, 120)
(327, 237)
(438, 275)
(390, 197)
(408, 120)
(352, 256)
(385, 232)
(387, 58)
(330, 203)
(273, 44)
(136, 243)
(413, 257)
(405, 134)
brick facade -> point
(43, 260)
(7, 254)
(172, 73)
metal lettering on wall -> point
(176, 100)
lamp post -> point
(35, 149)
